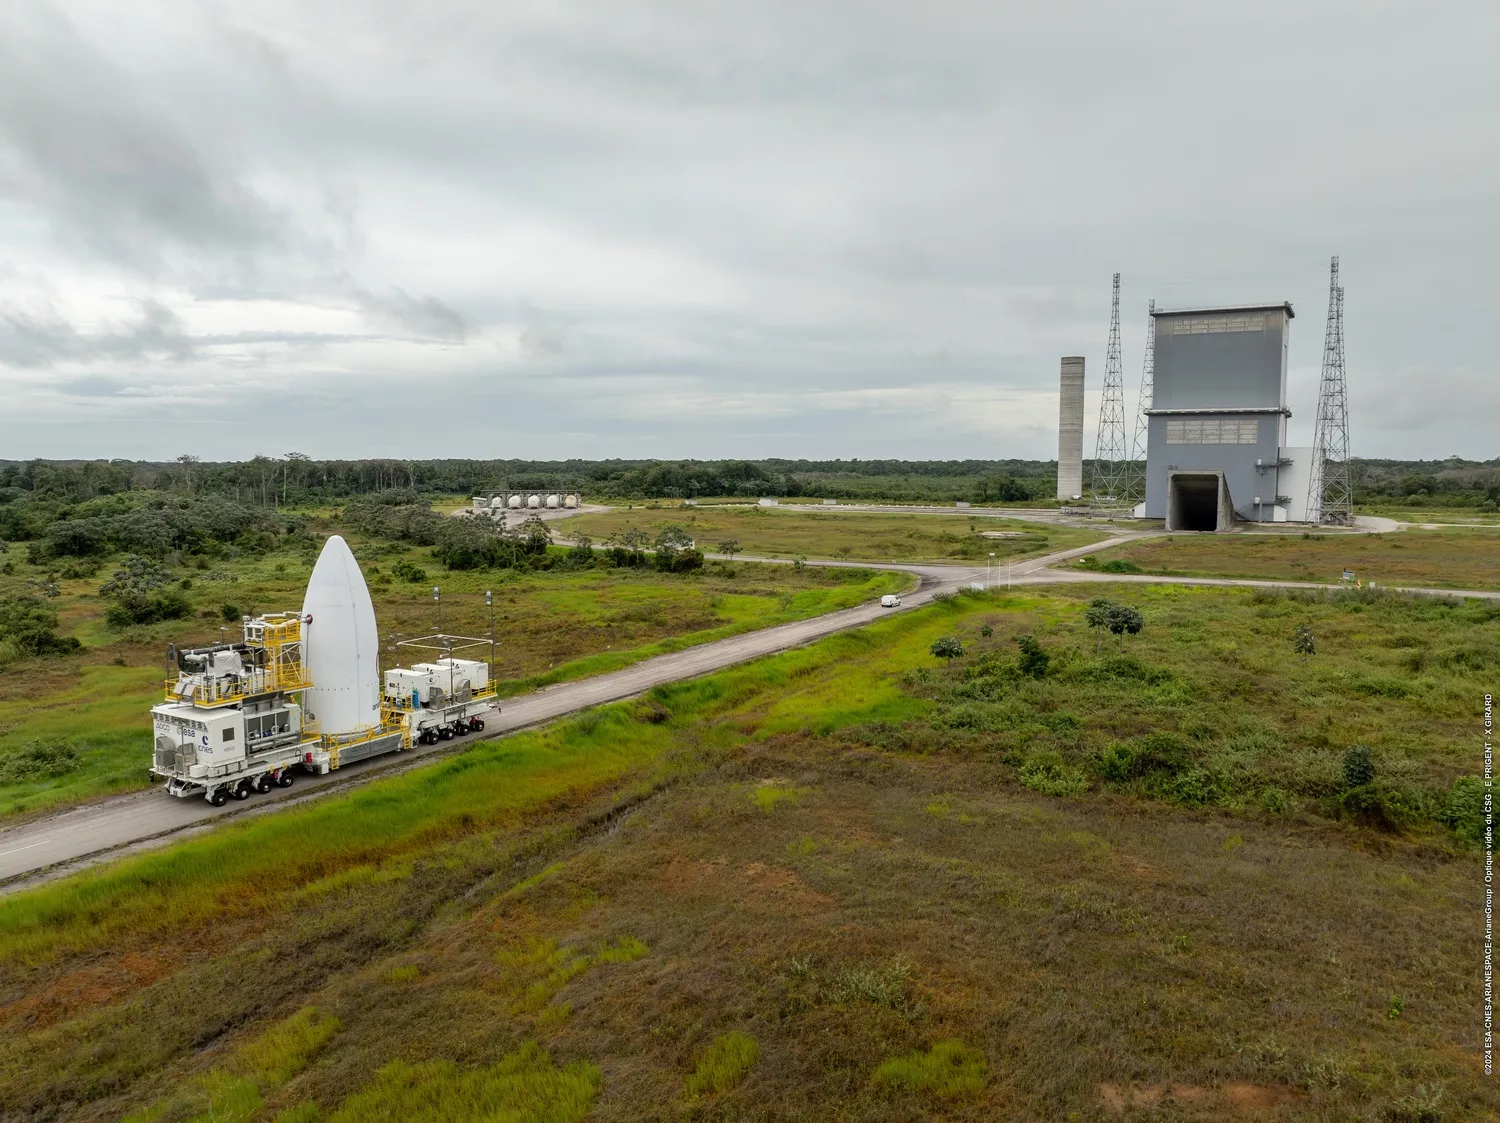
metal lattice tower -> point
(1140, 442)
(1330, 495)
(1111, 449)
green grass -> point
(949, 1070)
(610, 887)
(861, 535)
(524, 1086)
(553, 627)
(721, 1066)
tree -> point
(1304, 643)
(729, 547)
(947, 647)
(535, 537)
(1034, 660)
(1096, 616)
(1124, 620)
(28, 627)
(582, 551)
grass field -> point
(831, 885)
(769, 532)
(552, 627)
(1454, 559)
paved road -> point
(53, 845)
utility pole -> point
(1141, 442)
(437, 603)
(489, 603)
(1111, 452)
(1330, 493)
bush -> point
(947, 647)
(229, 613)
(1464, 809)
(1119, 565)
(1359, 768)
(167, 604)
(406, 571)
(28, 629)
(1048, 773)
(1034, 661)
(39, 759)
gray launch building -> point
(1216, 429)
(1070, 429)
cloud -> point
(425, 317)
(844, 226)
(32, 341)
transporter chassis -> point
(258, 772)
(275, 767)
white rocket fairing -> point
(340, 645)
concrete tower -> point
(1070, 429)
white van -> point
(890, 601)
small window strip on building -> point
(1213, 325)
(1211, 431)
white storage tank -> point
(571, 502)
(553, 501)
(533, 501)
(515, 503)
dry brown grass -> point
(1109, 958)
(1452, 559)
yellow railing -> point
(284, 679)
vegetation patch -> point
(949, 1070)
(722, 1065)
(525, 1086)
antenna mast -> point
(1140, 443)
(1111, 468)
(1330, 495)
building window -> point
(1213, 325)
(1211, 431)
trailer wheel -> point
(243, 789)
(285, 779)
(460, 728)
(476, 724)
(265, 782)
(218, 797)
(445, 734)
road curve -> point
(58, 843)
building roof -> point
(1283, 306)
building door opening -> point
(1193, 502)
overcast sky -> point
(696, 229)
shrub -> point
(1046, 772)
(39, 759)
(1464, 809)
(229, 613)
(28, 628)
(868, 984)
(1034, 661)
(947, 647)
(407, 571)
(1359, 768)
(1119, 565)
(949, 1070)
(722, 1065)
